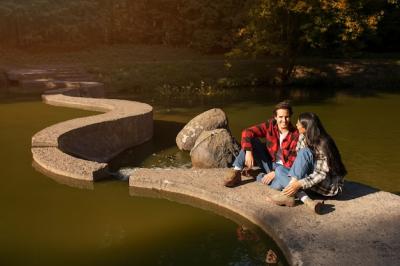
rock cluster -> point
(209, 140)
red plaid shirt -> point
(269, 131)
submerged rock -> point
(209, 120)
(214, 149)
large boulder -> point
(214, 149)
(209, 120)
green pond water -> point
(44, 222)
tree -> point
(285, 28)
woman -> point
(318, 165)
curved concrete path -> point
(79, 149)
(361, 227)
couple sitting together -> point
(292, 159)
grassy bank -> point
(163, 72)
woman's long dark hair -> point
(318, 139)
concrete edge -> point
(195, 195)
(341, 236)
(55, 159)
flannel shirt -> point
(269, 131)
(320, 180)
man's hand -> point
(292, 188)
(249, 160)
(268, 178)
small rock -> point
(271, 257)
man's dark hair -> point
(283, 105)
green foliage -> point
(287, 28)
(274, 27)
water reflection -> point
(245, 231)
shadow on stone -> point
(327, 208)
(353, 190)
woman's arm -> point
(301, 143)
(320, 172)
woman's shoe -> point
(282, 200)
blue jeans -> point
(260, 155)
(261, 158)
(301, 168)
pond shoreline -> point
(166, 72)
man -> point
(279, 151)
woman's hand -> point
(292, 188)
(267, 178)
(249, 160)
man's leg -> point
(260, 155)
(261, 158)
(238, 164)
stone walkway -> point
(361, 227)
(79, 149)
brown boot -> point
(315, 206)
(282, 200)
(233, 178)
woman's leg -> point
(303, 165)
(281, 179)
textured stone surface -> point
(80, 148)
(214, 149)
(358, 228)
(100, 137)
(209, 120)
(59, 163)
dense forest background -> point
(323, 27)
